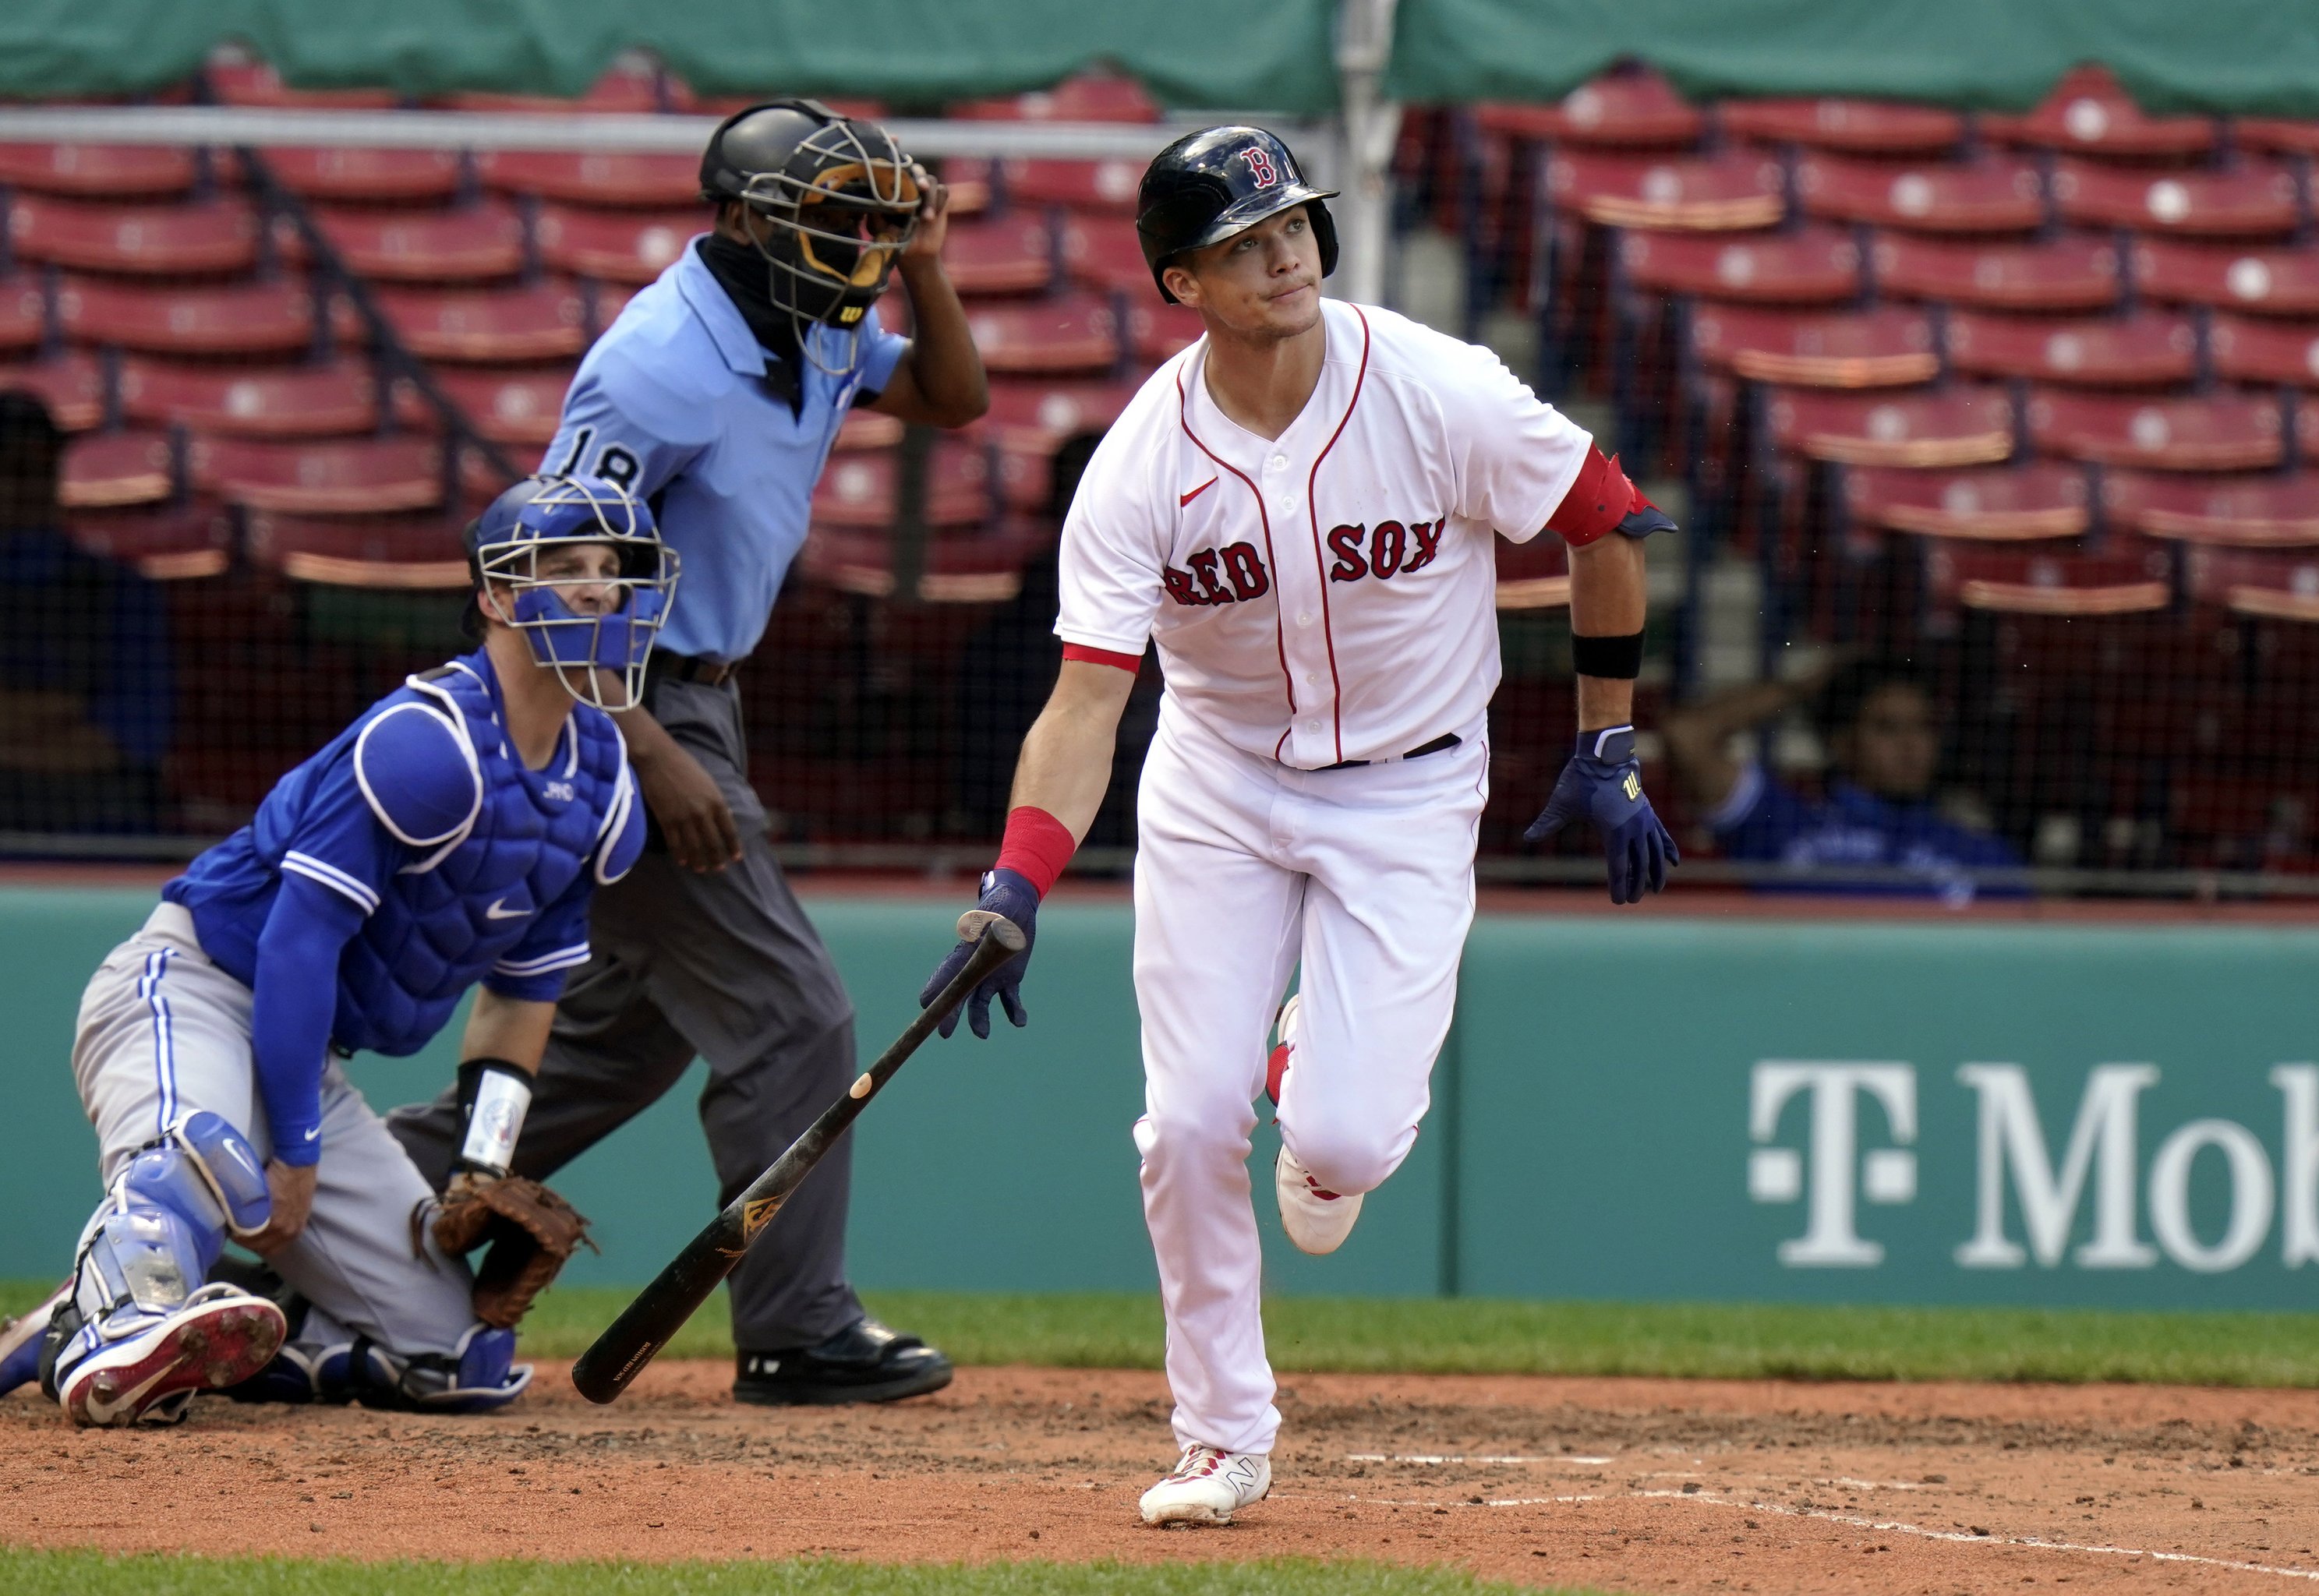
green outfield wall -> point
(1734, 1108)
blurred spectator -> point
(1880, 810)
(84, 656)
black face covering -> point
(742, 273)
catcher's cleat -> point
(220, 1337)
(1208, 1487)
(865, 1362)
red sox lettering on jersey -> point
(1328, 594)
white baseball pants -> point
(164, 1033)
(1246, 869)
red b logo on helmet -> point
(1259, 163)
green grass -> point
(1464, 1336)
(87, 1573)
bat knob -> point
(976, 923)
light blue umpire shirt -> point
(672, 405)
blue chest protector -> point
(465, 866)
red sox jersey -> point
(1329, 594)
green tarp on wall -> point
(910, 53)
(2236, 56)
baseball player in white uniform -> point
(1299, 510)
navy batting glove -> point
(1603, 783)
(1003, 893)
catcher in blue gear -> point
(450, 838)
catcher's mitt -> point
(532, 1232)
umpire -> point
(715, 397)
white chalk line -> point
(1439, 1457)
(1883, 1526)
(1968, 1539)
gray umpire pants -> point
(725, 966)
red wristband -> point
(1036, 847)
(1596, 504)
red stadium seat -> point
(969, 179)
(2277, 134)
(281, 401)
(1033, 418)
(1157, 331)
(71, 385)
(2087, 112)
(2248, 350)
(2240, 512)
(2258, 199)
(1814, 265)
(2268, 282)
(1731, 192)
(1104, 254)
(366, 176)
(1070, 333)
(149, 240)
(363, 477)
(1850, 127)
(2218, 432)
(644, 182)
(472, 244)
(1628, 111)
(1106, 187)
(179, 543)
(1090, 98)
(1534, 574)
(621, 248)
(1014, 254)
(2148, 350)
(253, 82)
(380, 550)
(1887, 348)
(859, 490)
(243, 318)
(1990, 197)
(24, 314)
(97, 171)
(2020, 581)
(866, 429)
(506, 406)
(1957, 426)
(2271, 586)
(624, 88)
(107, 470)
(2072, 273)
(980, 564)
(2044, 499)
(544, 321)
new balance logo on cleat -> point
(1208, 1486)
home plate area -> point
(1639, 1485)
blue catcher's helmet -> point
(575, 621)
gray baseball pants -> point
(164, 1033)
(725, 967)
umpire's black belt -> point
(1447, 740)
(691, 667)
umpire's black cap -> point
(1210, 184)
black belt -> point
(691, 667)
(1445, 741)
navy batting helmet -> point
(1210, 184)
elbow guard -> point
(1603, 500)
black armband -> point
(493, 1095)
(1618, 659)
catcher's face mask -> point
(583, 575)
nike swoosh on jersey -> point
(1196, 492)
(499, 911)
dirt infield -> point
(1642, 1486)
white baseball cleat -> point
(1317, 1218)
(220, 1337)
(1208, 1487)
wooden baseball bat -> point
(645, 1325)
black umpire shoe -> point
(865, 1362)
